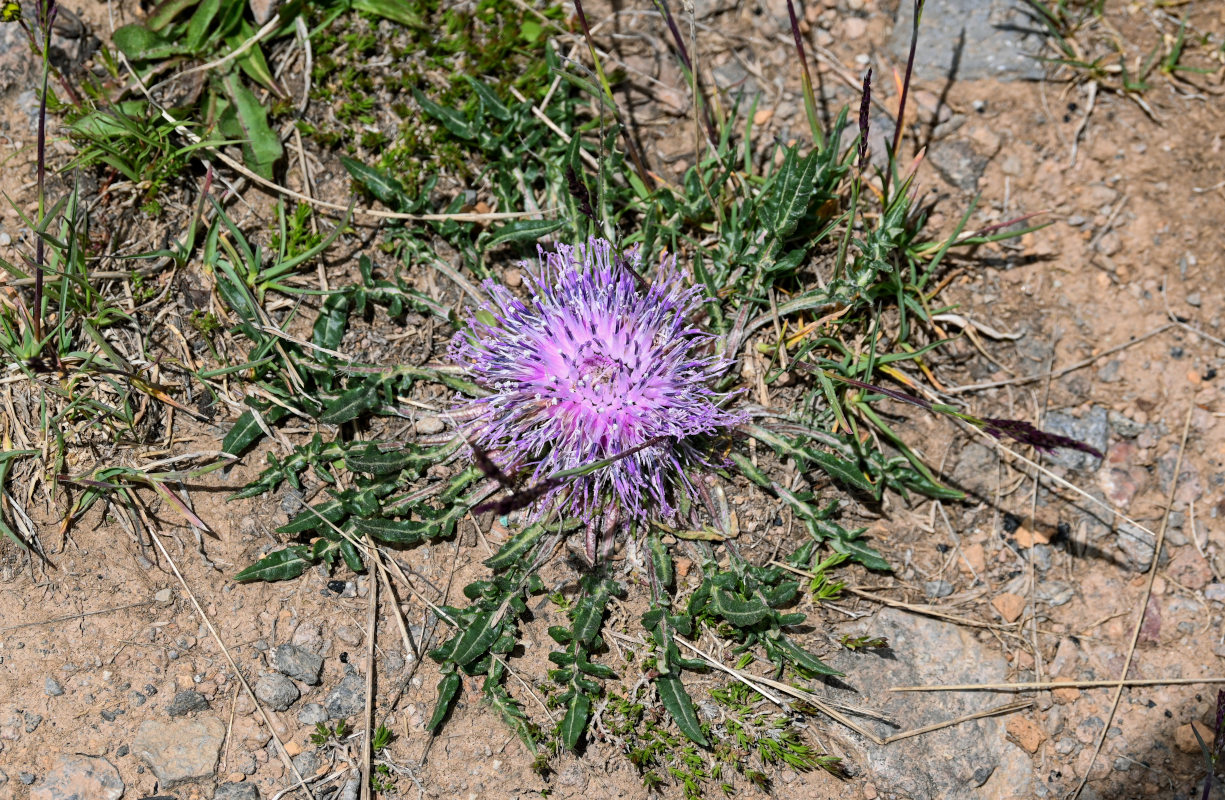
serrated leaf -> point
(661, 562)
(389, 191)
(804, 658)
(262, 148)
(751, 472)
(329, 328)
(452, 120)
(393, 531)
(589, 613)
(309, 519)
(279, 566)
(490, 102)
(448, 690)
(516, 547)
(575, 721)
(370, 460)
(247, 431)
(676, 700)
(474, 641)
(791, 190)
(862, 553)
(741, 613)
(841, 469)
(351, 404)
(522, 230)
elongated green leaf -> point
(201, 24)
(791, 191)
(141, 44)
(309, 519)
(370, 460)
(448, 690)
(262, 148)
(676, 700)
(522, 230)
(279, 566)
(589, 613)
(751, 472)
(516, 547)
(394, 531)
(452, 120)
(351, 404)
(400, 11)
(474, 641)
(490, 102)
(389, 191)
(575, 721)
(247, 431)
(841, 469)
(804, 658)
(741, 613)
(329, 328)
(864, 554)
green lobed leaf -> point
(351, 404)
(452, 120)
(804, 658)
(246, 431)
(490, 102)
(333, 511)
(389, 191)
(279, 566)
(395, 531)
(448, 690)
(791, 191)
(738, 612)
(474, 640)
(139, 43)
(516, 547)
(521, 230)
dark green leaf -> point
(351, 404)
(489, 99)
(516, 547)
(575, 721)
(738, 612)
(389, 191)
(452, 120)
(262, 148)
(246, 430)
(310, 519)
(522, 230)
(474, 641)
(804, 658)
(329, 329)
(394, 531)
(448, 690)
(401, 11)
(139, 43)
(279, 566)
(676, 700)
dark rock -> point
(298, 663)
(276, 690)
(187, 701)
(76, 778)
(237, 791)
(970, 40)
(348, 698)
(1093, 429)
(306, 763)
(32, 721)
(956, 760)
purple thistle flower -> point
(593, 366)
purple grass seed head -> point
(594, 364)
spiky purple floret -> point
(590, 366)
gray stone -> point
(27, 777)
(936, 589)
(187, 701)
(312, 714)
(1093, 429)
(976, 468)
(32, 721)
(955, 760)
(350, 789)
(180, 751)
(163, 597)
(1124, 426)
(1137, 545)
(348, 698)
(4, 778)
(79, 778)
(276, 690)
(970, 40)
(236, 791)
(298, 663)
(958, 162)
(52, 687)
(306, 763)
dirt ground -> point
(1105, 325)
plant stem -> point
(901, 106)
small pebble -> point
(5, 240)
(163, 597)
(27, 778)
(52, 687)
(122, 750)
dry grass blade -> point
(1007, 708)
(1038, 686)
(1148, 592)
(368, 716)
(69, 617)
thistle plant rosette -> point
(596, 366)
